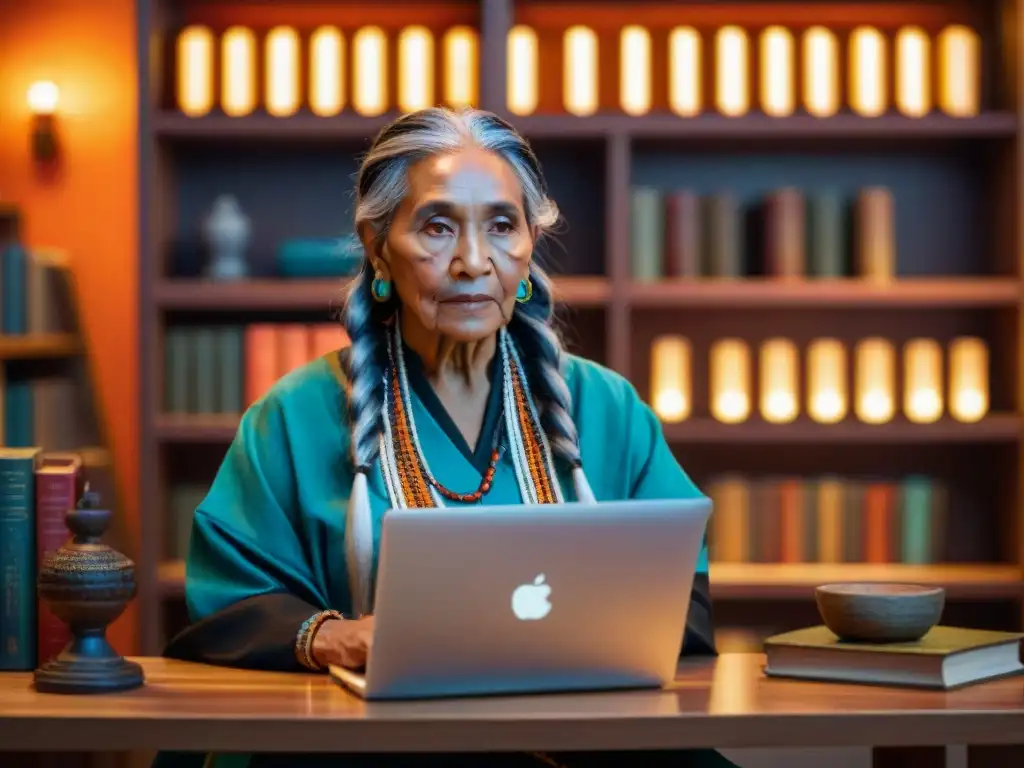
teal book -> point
(204, 370)
(915, 509)
(826, 243)
(229, 365)
(19, 421)
(13, 315)
(176, 370)
(18, 633)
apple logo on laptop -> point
(530, 601)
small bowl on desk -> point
(880, 613)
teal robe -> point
(267, 546)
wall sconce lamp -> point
(43, 97)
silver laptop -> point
(518, 599)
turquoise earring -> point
(380, 288)
(525, 291)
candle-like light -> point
(369, 92)
(460, 67)
(732, 81)
(684, 71)
(827, 399)
(868, 93)
(922, 381)
(521, 70)
(326, 72)
(777, 72)
(968, 379)
(635, 70)
(281, 71)
(959, 71)
(913, 72)
(671, 378)
(580, 71)
(778, 373)
(821, 72)
(238, 72)
(195, 71)
(415, 69)
(730, 381)
(875, 373)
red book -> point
(293, 347)
(325, 338)
(58, 487)
(260, 360)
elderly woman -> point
(455, 391)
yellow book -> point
(945, 658)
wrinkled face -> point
(459, 245)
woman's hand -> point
(344, 643)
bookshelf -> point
(958, 179)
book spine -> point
(830, 520)
(18, 557)
(260, 360)
(35, 289)
(682, 234)
(825, 241)
(56, 493)
(809, 504)
(184, 499)
(46, 412)
(939, 521)
(13, 312)
(177, 370)
(853, 523)
(293, 347)
(723, 228)
(876, 236)
(877, 524)
(229, 362)
(915, 506)
(18, 413)
(785, 230)
(325, 339)
(647, 230)
(791, 506)
(205, 395)
(730, 499)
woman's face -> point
(459, 245)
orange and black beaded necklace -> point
(407, 475)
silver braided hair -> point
(381, 184)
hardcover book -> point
(945, 658)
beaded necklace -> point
(408, 478)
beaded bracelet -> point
(306, 633)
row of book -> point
(681, 233)
(224, 369)
(35, 295)
(827, 520)
(37, 488)
(50, 408)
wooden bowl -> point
(880, 613)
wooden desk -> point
(725, 703)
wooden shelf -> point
(741, 581)
(276, 294)
(761, 293)
(39, 346)
(178, 127)
(997, 428)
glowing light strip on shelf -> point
(930, 388)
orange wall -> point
(90, 208)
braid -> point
(542, 355)
(364, 368)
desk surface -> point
(723, 703)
